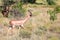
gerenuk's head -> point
(30, 13)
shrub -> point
(28, 1)
(54, 12)
(57, 9)
(51, 2)
(52, 15)
(31, 1)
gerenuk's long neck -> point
(27, 17)
(29, 14)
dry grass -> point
(36, 28)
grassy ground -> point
(38, 27)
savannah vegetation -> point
(43, 25)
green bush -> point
(52, 15)
(57, 9)
(31, 1)
(28, 1)
(54, 12)
(51, 2)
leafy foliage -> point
(54, 12)
(51, 2)
(52, 15)
(31, 1)
(28, 1)
(57, 9)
